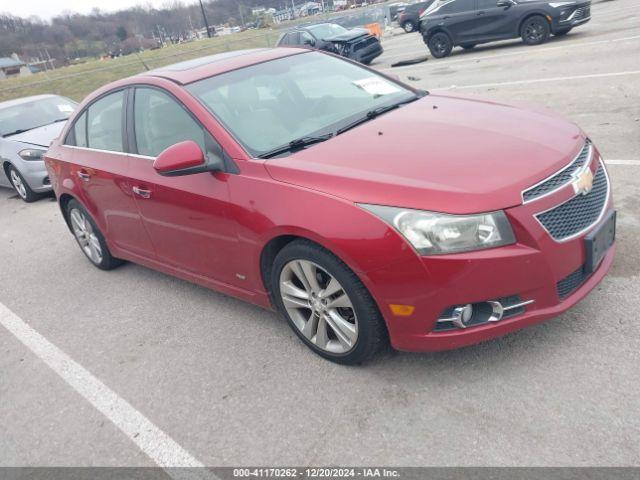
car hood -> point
(348, 36)
(441, 153)
(42, 136)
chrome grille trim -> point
(592, 224)
(584, 157)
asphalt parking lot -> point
(131, 362)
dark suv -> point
(448, 23)
(409, 18)
(357, 43)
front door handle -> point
(481, 12)
(142, 192)
(84, 176)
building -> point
(13, 67)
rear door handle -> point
(84, 176)
(142, 192)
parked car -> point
(467, 23)
(291, 178)
(357, 44)
(409, 18)
(27, 127)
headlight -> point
(31, 154)
(433, 233)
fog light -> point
(462, 315)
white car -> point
(27, 127)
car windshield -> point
(270, 104)
(37, 113)
(327, 30)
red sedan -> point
(365, 211)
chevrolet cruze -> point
(365, 211)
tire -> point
(440, 45)
(562, 33)
(20, 185)
(535, 30)
(89, 237)
(306, 280)
(408, 26)
(468, 46)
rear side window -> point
(456, 6)
(80, 131)
(104, 123)
(484, 4)
(160, 122)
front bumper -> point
(367, 54)
(580, 16)
(35, 174)
(537, 268)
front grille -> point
(578, 214)
(364, 43)
(571, 282)
(559, 179)
(581, 13)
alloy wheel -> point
(18, 183)
(83, 231)
(534, 31)
(319, 306)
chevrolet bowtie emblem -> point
(583, 182)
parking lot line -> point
(623, 162)
(541, 80)
(473, 58)
(155, 443)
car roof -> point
(20, 101)
(204, 67)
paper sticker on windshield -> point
(65, 108)
(376, 86)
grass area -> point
(77, 81)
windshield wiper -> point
(16, 132)
(297, 144)
(376, 112)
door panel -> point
(493, 21)
(459, 18)
(100, 170)
(186, 217)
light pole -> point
(204, 17)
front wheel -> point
(440, 45)
(408, 26)
(21, 186)
(535, 30)
(326, 304)
(90, 238)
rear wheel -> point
(468, 46)
(89, 237)
(535, 30)
(21, 187)
(408, 26)
(440, 45)
(326, 304)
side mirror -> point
(309, 41)
(185, 158)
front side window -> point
(273, 103)
(306, 38)
(104, 123)
(160, 122)
(484, 4)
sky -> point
(46, 9)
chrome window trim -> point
(551, 192)
(110, 151)
(589, 227)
